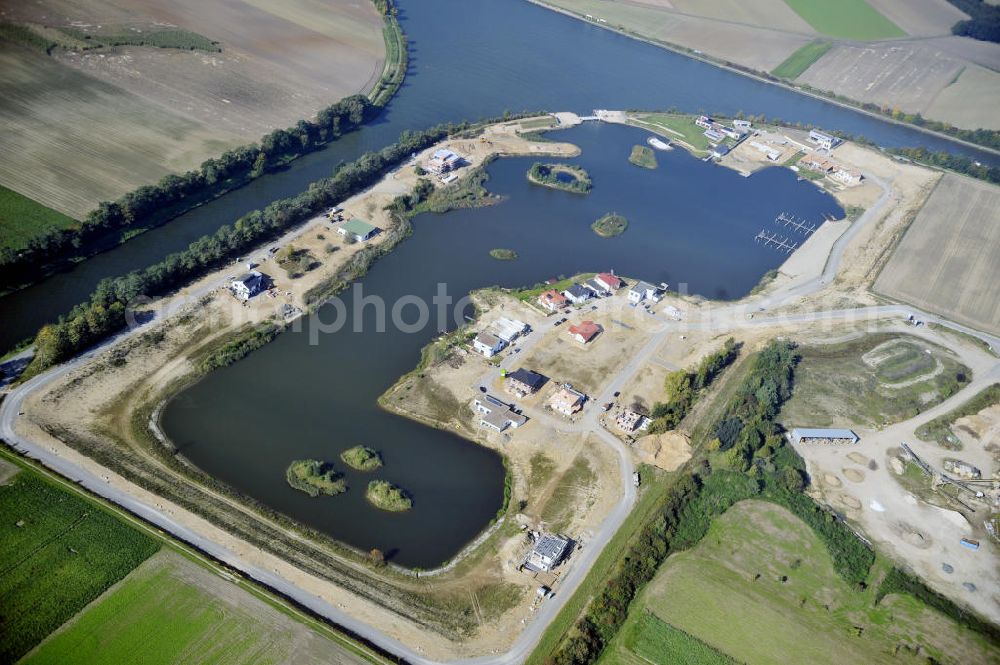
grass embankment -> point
(49, 39)
(396, 56)
(566, 177)
(939, 429)
(384, 495)
(801, 60)
(610, 225)
(58, 552)
(314, 478)
(538, 123)
(643, 156)
(847, 19)
(237, 347)
(501, 254)
(22, 219)
(362, 458)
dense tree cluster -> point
(173, 194)
(683, 386)
(984, 21)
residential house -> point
(848, 176)
(609, 281)
(713, 135)
(821, 139)
(585, 331)
(742, 124)
(497, 415)
(508, 329)
(488, 344)
(552, 300)
(523, 382)
(248, 285)
(548, 551)
(595, 288)
(567, 401)
(443, 161)
(359, 229)
(817, 163)
(577, 294)
(720, 151)
(730, 132)
(643, 291)
(704, 122)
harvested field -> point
(948, 261)
(172, 610)
(849, 19)
(920, 18)
(775, 14)
(905, 76)
(968, 101)
(171, 108)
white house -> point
(497, 415)
(742, 124)
(824, 141)
(443, 161)
(248, 285)
(644, 290)
(488, 344)
(577, 294)
(508, 329)
(608, 281)
(848, 176)
(547, 553)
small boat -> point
(658, 144)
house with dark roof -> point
(548, 551)
(525, 382)
(577, 294)
(248, 285)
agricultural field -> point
(173, 611)
(22, 219)
(968, 98)
(847, 19)
(761, 588)
(654, 641)
(801, 60)
(58, 552)
(870, 381)
(948, 261)
(171, 108)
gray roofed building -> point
(547, 553)
(248, 285)
(823, 435)
(577, 294)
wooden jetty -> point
(790, 221)
(780, 243)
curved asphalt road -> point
(730, 316)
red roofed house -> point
(552, 300)
(609, 281)
(585, 331)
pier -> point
(780, 243)
(789, 221)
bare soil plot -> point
(774, 14)
(904, 76)
(920, 17)
(172, 610)
(970, 100)
(949, 259)
(91, 126)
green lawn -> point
(762, 588)
(801, 60)
(677, 127)
(58, 552)
(654, 641)
(22, 219)
(847, 19)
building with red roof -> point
(585, 331)
(552, 300)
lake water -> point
(472, 59)
(689, 222)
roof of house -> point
(489, 339)
(551, 547)
(565, 398)
(248, 277)
(585, 329)
(822, 433)
(643, 287)
(533, 380)
(720, 150)
(610, 279)
(577, 291)
(499, 418)
(444, 153)
(508, 328)
(552, 296)
(358, 227)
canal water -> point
(689, 222)
(471, 59)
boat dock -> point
(780, 243)
(790, 221)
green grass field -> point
(654, 641)
(22, 219)
(677, 127)
(848, 19)
(761, 587)
(58, 552)
(801, 60)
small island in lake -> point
(314, 478)
(643, 156)
(610, 225)
(501, 254)
(566, 177)
(386, 496)
(362, 458)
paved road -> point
(721, 318)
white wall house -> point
(488, 344)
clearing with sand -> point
(170, 109)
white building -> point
(547, 553)
(508, 329)
(742, 124)
(823, 435)
(577, 294)
(488, 344)
(847, 176)
(497, 415)
(248, 285)
(824, 141)
(443, 161)
(643, 291)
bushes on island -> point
(314, 478)
(643, 156)
(385, 496)
(362, 458)
(547, 175)
(501, 254)
(610, 225)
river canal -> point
(472, 59)
(689, 222)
